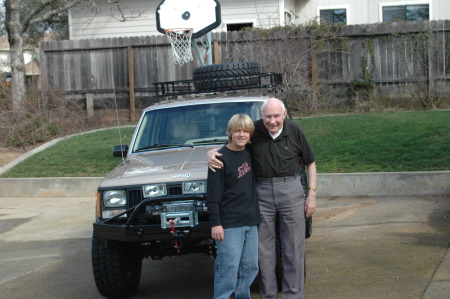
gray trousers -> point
(282, 198)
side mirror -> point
(120, 151)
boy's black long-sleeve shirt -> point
(231, 195)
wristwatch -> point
(313, 188)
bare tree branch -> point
(38, 11)
(35, 11)
(123, 17)
(53, 12)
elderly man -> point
(278, 148)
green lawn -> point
(400, 141)
(87, 155)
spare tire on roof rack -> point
(226, 75)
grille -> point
(134, 197)
(174, 190)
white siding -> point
(262, 13)
(289, 12)
(289, 5)
(85, 24)
(367, 11)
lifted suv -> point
(154, 203)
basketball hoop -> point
(180, 39)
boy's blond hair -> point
(238, 122)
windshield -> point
(187, 126)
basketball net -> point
(180, 39)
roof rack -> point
(185, 87)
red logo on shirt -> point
(243, 170)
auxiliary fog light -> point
(194, 187)
(154, 190)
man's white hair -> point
(273, 99)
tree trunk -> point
(16, 53)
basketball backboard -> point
(200, 15)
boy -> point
(234, 213)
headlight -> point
(114, 198)
(154, 190)
(194, 187)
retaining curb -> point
(334, 184)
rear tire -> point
(226, 70)
(308, 227)
(226, 76)
(117, 268)
(279, 260)
(278, 269)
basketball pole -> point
(206, 51)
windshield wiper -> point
(155, 146)
(214, 140)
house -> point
(353, 12)
(30, 56)
(138, 17)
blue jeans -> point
(236, 263)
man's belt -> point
(277, 179)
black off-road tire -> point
(304, 181)
(279, 261)
(308, 227)
(226, 76)
(226, 70)
(117, 268)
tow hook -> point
(177, 241)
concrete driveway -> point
(365, 247)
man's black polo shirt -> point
(280, 156)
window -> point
(197, 124)
(239, 26)
(420, 12)
(333, 15)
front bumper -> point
(135, 228)
(142, 233)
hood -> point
(164, 166)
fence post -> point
(216, 53)
(314, 79)
(430, 57)
(90, 105)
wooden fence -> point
(387, 54)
